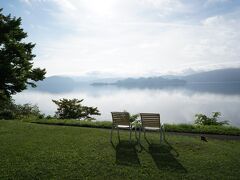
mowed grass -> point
(34, 151)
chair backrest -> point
(121, 118)
(150, 119)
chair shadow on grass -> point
(126, 153)
(164, 156)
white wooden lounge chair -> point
(121, 120)
(151, 121)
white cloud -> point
(164, 5)
(216, 1)
(28, 2)
(128, 38)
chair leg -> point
(135, 129)
(161, 136)
(130, 133)
(144, 132)
(118, 134)
(162, 133)
(139, 134)
(111, 134)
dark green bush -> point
(6, 114)
(133, 117)
(49, 117)
(27, 110)
(10, 110)
(202, 119)
(6, 107)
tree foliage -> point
(202, 119)
(73, 109)
(16, 58)
(10, 110)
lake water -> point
(175, 104)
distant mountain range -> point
(145, 82)
(63, 84)
(220, 75)
(216, 76)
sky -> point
(130, 38)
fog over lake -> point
(175, 104)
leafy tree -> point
(73, 109)
(9, 110)
(202, 119)
(16, 66)
(28, 110)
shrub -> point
(132, 117)
(49, 117)
(202, 119)
(10, 110)
(73, 109)
(27, 110)
(6, 108)
(6, 114)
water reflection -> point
(176, 104)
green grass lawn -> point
(37, 151)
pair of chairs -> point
(149, 121)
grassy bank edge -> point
(186, 128)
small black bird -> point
(203, 138)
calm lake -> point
(175, 104)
